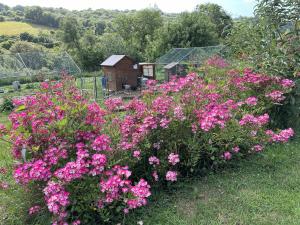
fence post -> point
(95, 88)
(81, 83)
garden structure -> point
(29, 66)
(120, 70)
(148, 70)
(177, 61)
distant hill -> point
(13, 28)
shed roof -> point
(170, 65)
(113, 60)
(146, 63)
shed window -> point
(148, 71)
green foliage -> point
(272, 39)
(189, 30)
(37, 15)
(271, 42)
(92, 35)
(70, 34)
(218, 16)
(138, 29)
(24, 46)
(6, 105)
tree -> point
(90, 54)
(25, 36)
(34, 13)
(138, 29)
(24, 46)
(113, 43)
(218, 16)
(189, 30)
(100, 28)
(70, 34)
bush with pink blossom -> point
(94, 164)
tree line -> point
(92, 35)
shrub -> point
(94, 164)
(6, 105)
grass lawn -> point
(263, 189)
(12, 28)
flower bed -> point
(94, 164)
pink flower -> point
(34, 209)
(217, 61)
(137, 154)
(99, 162)
(252, 120)
(171, 176)
(173, 159)
(153, 160)
(178, 113)
(162, 104)
(155, 175)
(253, 133)
(141, 190)
(227, 155)
(194, 128)
(236, 149)
(77, 222)
(257, 148)
(3, 170)
(283, 135)
(39, 171)
(102, 143)
(251, 101)
(276, 96)
(286, 83)
(45, 85)
(56, 198)
(4, 185)
(3, 130)
(164, 123)
(113, 103)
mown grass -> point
(12, 28)
(12, 199)
(261, 190)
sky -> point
(234, 7)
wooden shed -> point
(120, 70)
(170, 70)
(148, 70)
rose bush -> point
(94, 164)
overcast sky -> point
(234, 7)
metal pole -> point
(95, 88)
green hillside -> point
(12, 28)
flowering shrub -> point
(94, 164)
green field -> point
(11, 28)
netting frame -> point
(187, 57)
(28, 65)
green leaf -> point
(20, 108)
(62, 123)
